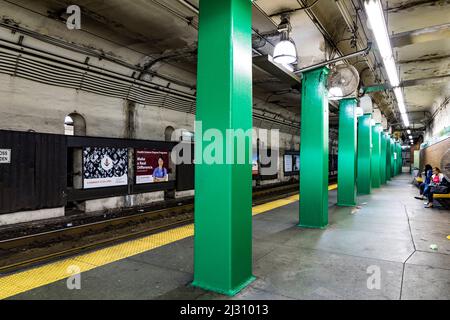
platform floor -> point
(390, 232)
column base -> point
(346, 204)
(230, 292)
(312, 227)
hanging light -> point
(285, 51)
(359, 112)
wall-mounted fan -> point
(343, 82)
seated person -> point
(438, 185)
(424, 186)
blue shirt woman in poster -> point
(160, 173)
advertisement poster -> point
(152, 166)
(288, 163)
(105, 167)
(291, 163)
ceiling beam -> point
(433, 33)
(407, 83)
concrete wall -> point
(28, 105)
(441, 120)
(27, 216)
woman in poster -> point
(160, 173)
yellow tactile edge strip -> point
(24, 281)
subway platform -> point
(388, 236)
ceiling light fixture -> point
(375, 14)
(285, 51)
(359, 112)
(408, 131)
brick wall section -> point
(434, 155)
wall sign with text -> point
(5, 156)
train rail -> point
(26, 251)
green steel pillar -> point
(400, 160)
(347, 152)
(395, 158)
(383, 158)
(376, 155)
(392, 158)
(314, 150)
(223, 189)
(388, 157)
(364, 180)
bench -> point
(441, 196)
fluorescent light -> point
(375, 15)
(377, 22)
(400, 100)
(411, 137)
(405, 119)
(408, 131)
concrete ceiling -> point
(167, 30)
(424, 51)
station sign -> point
(5, 156)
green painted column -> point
(395, 158)
(348, 123)
(388, 157)
(314, 150)
(376, 156)
(400, 161)
(223, 189)
(392, 145)
(383, 158)
(364, 181)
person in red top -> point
(436, 180)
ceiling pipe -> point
(189, 5)
(352, 27)
(294, 10)
(348, 56)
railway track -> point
(104, 233)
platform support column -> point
(314, 150)
(376, 155)
(392, 158)
(388, 157)
(364, 182)
(347, 152)
(383, 158)
(223, 189)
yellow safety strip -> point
(27, 280)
